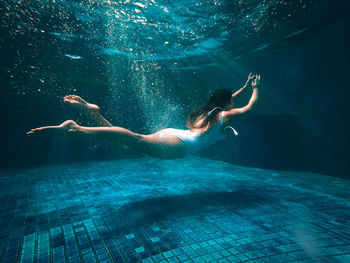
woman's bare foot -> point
(80, 104)
(66, 128)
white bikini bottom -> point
(189, 138)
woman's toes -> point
(67, 98)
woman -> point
(206, 125)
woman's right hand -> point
(256, 81)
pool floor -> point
(189, 210)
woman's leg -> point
(153, 145)
(92, 111)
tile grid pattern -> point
(141, 210)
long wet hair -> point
(206, 115)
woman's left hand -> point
(256, 81)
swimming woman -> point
(205, 125)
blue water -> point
(189, 210)
(162, 59)
(278, 192)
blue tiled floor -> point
(190, 210)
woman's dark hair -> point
(208, 112)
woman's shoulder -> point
(221, 116)
(224, 118)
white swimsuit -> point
(193, 140)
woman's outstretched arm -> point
(248, 82)
(255, 94)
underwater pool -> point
(192, 210)
(277, 192)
